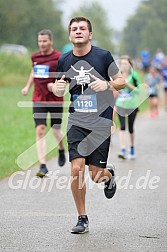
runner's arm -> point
(30, 82)
(117, 82)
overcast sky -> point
(117, 10)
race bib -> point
(41, 71)
(124, 95)
(85, 103)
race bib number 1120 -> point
(85, 103)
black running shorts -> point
(40, 111)
(93, 145)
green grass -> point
(18, 131)
(14, 70)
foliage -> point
(14, 69)
(147, 28)
(23, 19)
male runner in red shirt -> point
(44, 65)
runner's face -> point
(44, 43)
(79, 33)
(125, 66)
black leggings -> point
(131, 119)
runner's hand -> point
(98, 85)
(59, 86)
(24, 91)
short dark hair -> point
(46, 32)
(79, 19)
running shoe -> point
(82, 225)
(61, 158)
(110, 185)
(122, 154)
(42, 171)
(132, 153)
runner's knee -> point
(131, 131)
(122, 127)
(77, 171)
(40, 131)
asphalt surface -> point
(37, 215)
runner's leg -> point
(78, 186)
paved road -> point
(38, 214)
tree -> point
(23, 19)
(147, 28)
